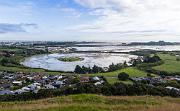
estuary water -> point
(51, 62)
(129, 48)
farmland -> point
(170, 63)
(132, 71)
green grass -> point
(167, 57)
(112, 76)
(92, 102)
(27, 70)
(113, 80)
(71, 59)
(132, 71)
(170, 63)
(11, 49)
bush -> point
(123, 76)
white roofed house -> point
(44, 77)
(49, 86)
(26, 89)
(20, 91)
(3, 92)
(96, 78)
(30, 88)
(30, 78)
(97, 83)
(59, 77)
(173, 88)
(35, 86)
(58, 84)
(18, 83)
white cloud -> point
(139, 17)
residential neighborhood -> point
(17, 83)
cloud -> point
(70, 12)
(132, 16)
(13, 28)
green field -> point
(170, 63)
(131, 71)
(112, 76)
(11, 49)
(27, 70)
(112, 80)
(91, 102)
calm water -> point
(129, 48)
(51, 61)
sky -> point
(90, 20)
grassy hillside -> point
(133, 72)
(170, 63)
(90, 102)
(24, 69)
(112, 80)
(112, 76)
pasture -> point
(92, 102)
(170, 65)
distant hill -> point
(161, 43)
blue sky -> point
(102, 20)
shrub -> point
(123, 76)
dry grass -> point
(92, 102)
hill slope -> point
(91, 102)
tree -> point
(123, 76)
(86, 70)
(125, 64)
(4, 61)
(111, 67)
(95, 69)
(78, 69)
(149, 59)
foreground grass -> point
(132, 71)
(170, 63)
(91, 102)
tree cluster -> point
(114, 67)
(88, 70)
(8, 61)
(149, 59)
(97, 69)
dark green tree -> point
(78, 69)
(123, 76)
(95, 69)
